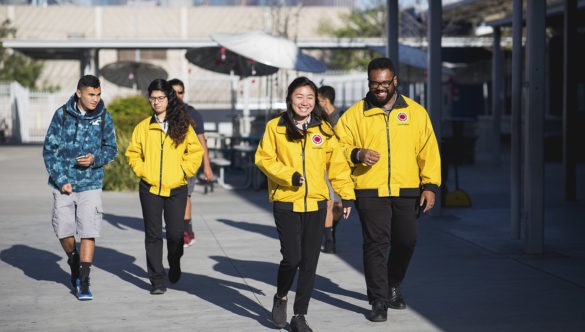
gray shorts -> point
(77, 214)
(191, 184)
(333, 196)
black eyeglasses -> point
(159, 99)
(384, 84)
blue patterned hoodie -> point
(76, 136)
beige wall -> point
(107, 23)
(156, 23)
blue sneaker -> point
(83, 292)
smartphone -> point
(77, 158)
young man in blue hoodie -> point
(80, 140)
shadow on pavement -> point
(45, 268)
(124, 222)
(226, 295)
(268, 231)
(121, 265)
(266, 272)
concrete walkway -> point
(467, 273)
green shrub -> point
(126, 112)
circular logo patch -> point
(317, 139)
(402, 117)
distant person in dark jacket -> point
(326, 95)
(179, 87)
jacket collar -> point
(399, 103)
(313, 121)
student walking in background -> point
(80, 141)
(179, 87)
(326, 95)
(390, 144)
(164, 153)
(297, 150)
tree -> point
(15, 66)
(366, 23)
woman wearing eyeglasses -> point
(164, 152)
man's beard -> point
(381, 103)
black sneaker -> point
(329, 247)
(299, 324)
(73, 262)
(279, 312)
(395, 300)
(158, 290)
(379, 312)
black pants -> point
(153, 208)
(300, 245)
(389, 232)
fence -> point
(25, 115)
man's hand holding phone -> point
(86, 160)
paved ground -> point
(467, 273)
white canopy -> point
(270, 50)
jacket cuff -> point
(354, 156)
(296, 179)
(431, 187)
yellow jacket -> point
(404, 137)
(313, 157)
(155, 159)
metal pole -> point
(570, 101)
(497, 92)
(392, 14)
(515, 123)
(534, 134)
(434, 68)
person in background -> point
(326, 96)
(179, 87)
(297, 149)
(164, 152)
(80, 141)
(389, 141)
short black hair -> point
(176, 81)
(328, 92)
(381, 63)
(88, 81)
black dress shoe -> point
(395, 299)
(379, 312)
(329, 247)
(175, 272)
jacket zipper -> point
(162, 144)
(303, 145)
(388, 147)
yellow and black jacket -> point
(313, 157)
(156, 160)
(404, 137)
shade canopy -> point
(269, 50)
(131, 74)
(221, 60)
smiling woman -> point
(295, 152)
